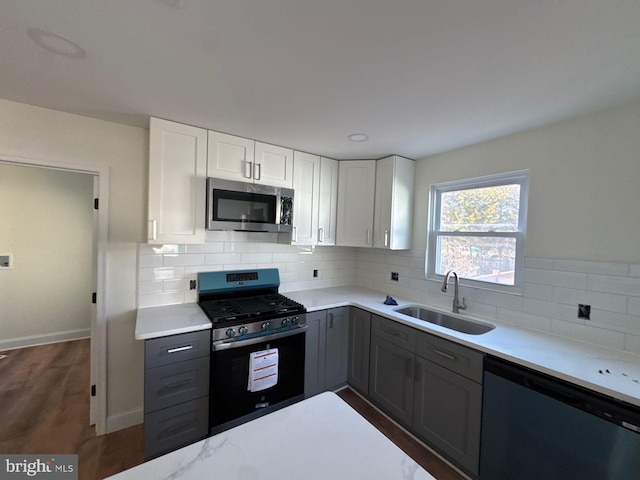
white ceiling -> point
(417, 76)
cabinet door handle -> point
(154, 229)
(368, 237)
(390, 332)
(321, 235)
(445, 354)
(258, 171)
(331, 320)
(180, 349)
(386, 238)
(248, 169)
(295, 235)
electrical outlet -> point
(315, 274)
(395, 277)
(192, 284)
(584, 311)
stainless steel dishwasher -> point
(538, 427)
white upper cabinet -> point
(177, 179)
(244, 160)
(230, 157)
(328, 202)
(356, 190)
(306, 186)
(394, 203)
(273, 165)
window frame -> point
(520, 177)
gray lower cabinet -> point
(447, 413)
(176, 391)
(326, 350)
(431, 386)
(391, 368)
(359, 348)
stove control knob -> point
(266, 326)
(231, 332)
(286, 322)
(242, 331)
(295, 321)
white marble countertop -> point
(317, 439)
(154, 322)
(576, 362)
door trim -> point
(99, 329)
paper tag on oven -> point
(263, 370)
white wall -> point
(55, 136)
(583, 234)
(46, 219)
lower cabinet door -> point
(359, 340)
(447, 413)
(174, 427)
(315, 340)
(391, 379)
(336, 348)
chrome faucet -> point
(456, 306)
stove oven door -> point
(231, 401)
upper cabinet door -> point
(177, 179)
(230, 157)
(394, 203)
(306, 185)
(273, 165)
(356, 190)
(328, 202)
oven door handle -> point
(227, 345)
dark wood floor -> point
(44, 408)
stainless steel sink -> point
(458, 324)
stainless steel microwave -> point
(248, 207)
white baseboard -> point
(34, 340)
(125, 419)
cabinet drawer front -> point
(394, 332)
(175, 427)
(177, 348)
(176, 383)
(457, 358)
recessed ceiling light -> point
(358, 137)
(56, 44)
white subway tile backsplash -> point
(542, 263)
(555, 278)
(538, 291)
(591, 267)
(209, 247)
(597, 300)
(634, 270)
(615, 284)
(149, 261)
(552, 288)
(182, 260)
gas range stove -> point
(246, 303)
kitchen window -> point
(477, 228)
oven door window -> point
(231, 206)
(230, 397)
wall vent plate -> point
(6, 260)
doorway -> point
(54, 282)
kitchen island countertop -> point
(317, 439)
